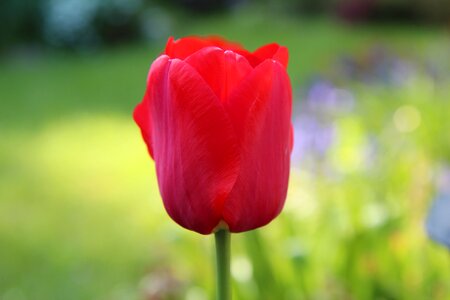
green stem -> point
(222, 238)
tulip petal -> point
(264, 119)
(183, 47)
(222, 70)
(194, 146)
(291, 139)
(273, 51)
(142, 112)
(141, 116)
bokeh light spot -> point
(407, 118)
(241, 269)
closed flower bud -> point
(216, 119)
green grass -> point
(81, 217)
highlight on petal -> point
(142, 112)
(224, 44)
(291, 139)
(261, 108)
(273, 51)
(194, 145)
(222, 69)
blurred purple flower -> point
(324, 98)
(312, 139)
(314, 128)
(443, 180)
(438, 221)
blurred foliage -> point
(89, 24)
(21, 21)
(85, 23)
(72, 24)
(201, 6)
(394, 11)
(80, 213)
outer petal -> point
(291, 139)
(193, 144)
(260, 190)
(142, 113)
(223, 70)
(141, 116)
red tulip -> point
(217, 121)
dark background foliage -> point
(75, 24)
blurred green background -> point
(80, 212)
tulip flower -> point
(216, 119)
